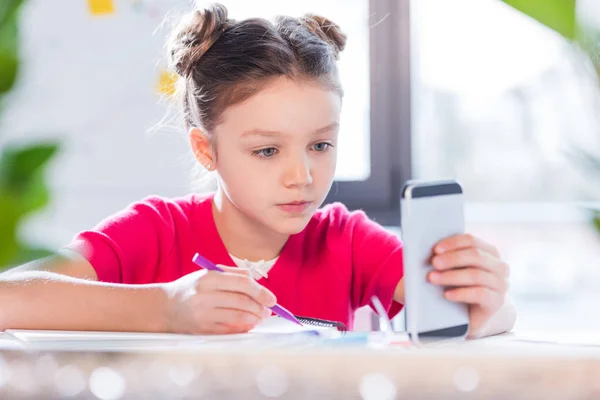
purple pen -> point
(277, 309)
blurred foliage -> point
(561, 16)
(555, 14)
(22, 186)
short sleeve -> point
(377, 263)
(126, 247)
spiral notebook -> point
(323, 323)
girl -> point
(261, 102)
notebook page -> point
(272, 325)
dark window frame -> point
(390, 153)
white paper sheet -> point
(273, 327)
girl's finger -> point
(237, 328)
(236, 283)
(237, 318)
(465, 241)
(476, 295)
(223, 329)
(235, 270)
(472, 257)
(468, 277)
(238, 301)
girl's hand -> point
(210, 302)
(473, 273)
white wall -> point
(90, 83)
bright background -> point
(494, 98)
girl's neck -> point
(242, 237)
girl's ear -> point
(202, 148)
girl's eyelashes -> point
(322, 146)
(270, 152)
(267, 152)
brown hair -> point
(223, 62)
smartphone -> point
(430, 211)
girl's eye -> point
(266, 153)
(321, 147)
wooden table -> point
(495, 368)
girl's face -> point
(276, 153)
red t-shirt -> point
(334, 266)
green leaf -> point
(555, 14)
(8, 9)
(35, 195)
(8, 73)
(9, 38)
(22, 185)
(18, 167)
(596, 221)
(12, 250)
(8, 228)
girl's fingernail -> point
(434, 277)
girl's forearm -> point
(46, 300)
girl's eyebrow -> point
(268, 133)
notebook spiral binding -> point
(340, 326)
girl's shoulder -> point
(186, 205)
(189, 200)
(336, 215)
(160, 213)
(336, 219)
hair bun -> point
(327, 30)
(194, 35)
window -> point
(387, 29)
(500, 102)
(498, 107)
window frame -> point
(390, 143)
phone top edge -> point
(414, 189)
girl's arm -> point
(399, 292)
(62, 292)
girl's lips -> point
(295, 207)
